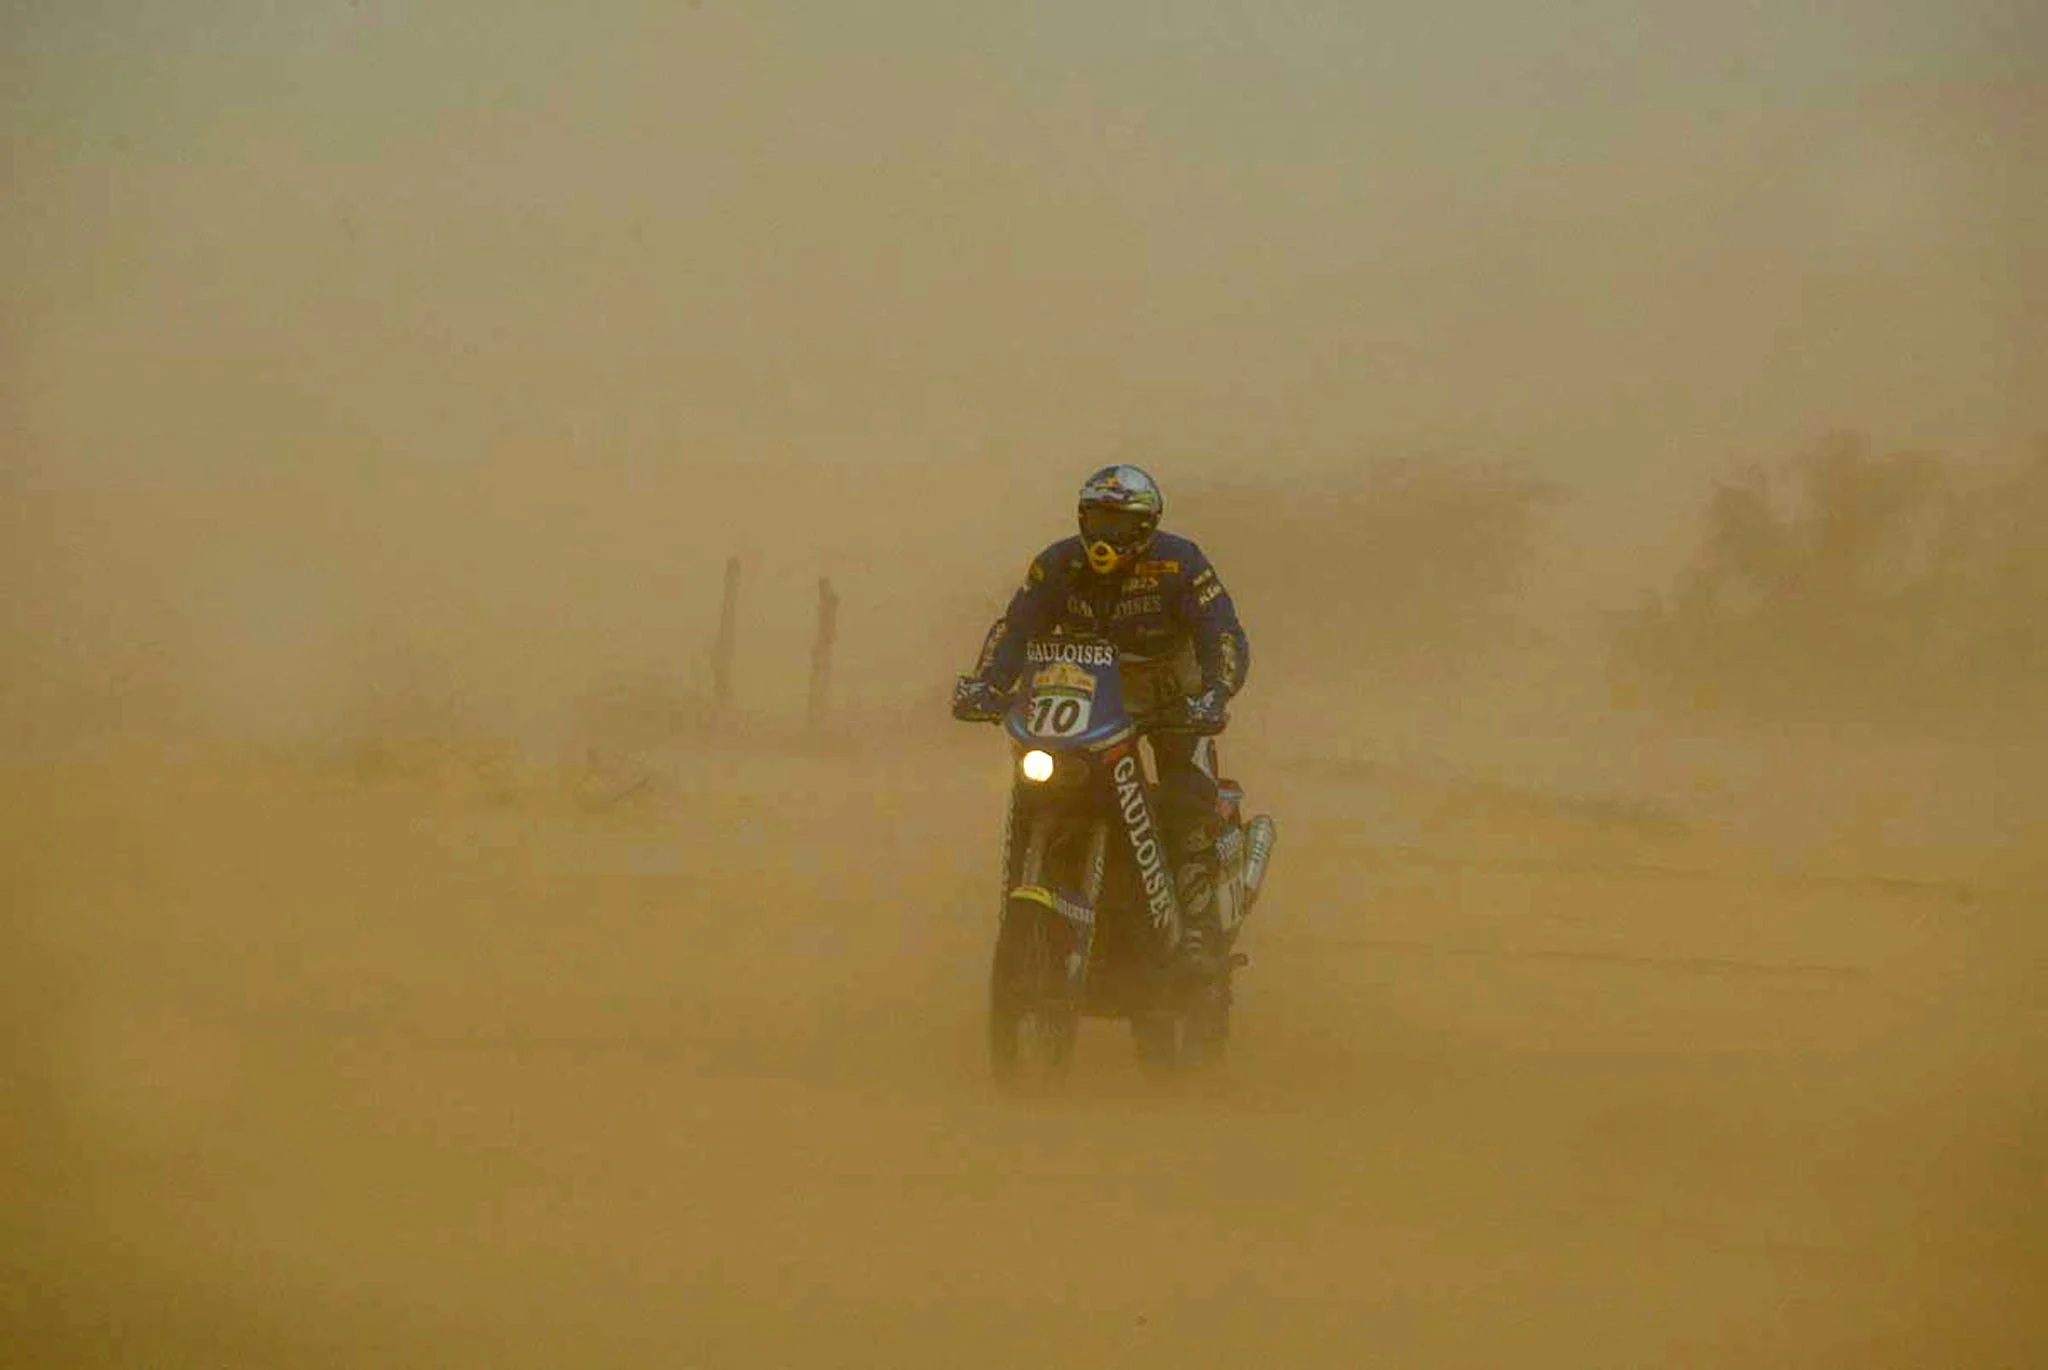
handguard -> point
(977, 701)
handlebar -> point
(1174, 723)
(1209, 729)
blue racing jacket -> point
(1170, 597)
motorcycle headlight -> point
(1036, 766)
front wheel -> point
(1031, 1016)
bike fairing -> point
(1076, 696)
(1061, 824)
(1088, 669)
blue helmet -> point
(1120, 509)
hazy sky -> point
(334, 278)
(947, 227)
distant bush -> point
(1856, 579)
(1415, 566)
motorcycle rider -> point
(1183, 654)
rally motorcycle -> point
(1091, 922)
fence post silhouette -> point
(728, 638)
(821, 654)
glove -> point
(1208, 711)
(977, 701)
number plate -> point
(1060, 715)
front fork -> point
(1030, 834)
(1026, 878)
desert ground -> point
(427, 1054)
(1620, 427)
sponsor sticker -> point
(1132, 608)
(1137, 816)
(1043, 652)
(1064, 678)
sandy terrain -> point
(1620, 428)
(459, 1063)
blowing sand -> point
(394, 972)
(470, 1064)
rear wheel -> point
(1191, 1034)
(1031, 1016)
(1209, 1021)
(1162, 1041)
